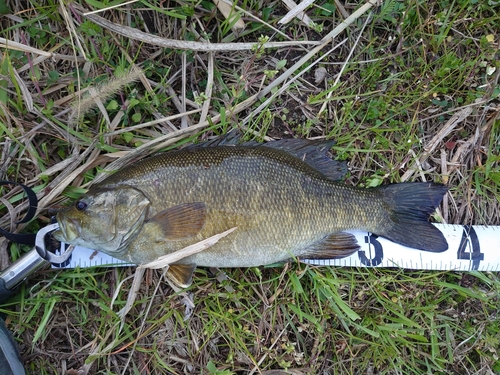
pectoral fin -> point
(181, 274)
(334, 246)
(181, 221)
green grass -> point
(415, 65)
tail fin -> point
(410, 205)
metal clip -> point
(49, 254)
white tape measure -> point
(469, 248)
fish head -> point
(104, 219)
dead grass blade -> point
(208, 90)
(164, 262)
(226, 7)
(296, 11)
(324, 42)
(161, 262)
(447, 128)
(135, 34)
(10, 44)
(166, 140)
(56, 187)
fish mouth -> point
(68, 230)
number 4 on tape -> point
(469, 248)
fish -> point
(284, 197)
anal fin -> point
(334, 246)
(181, 274)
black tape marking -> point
(469, 248)
(378, 252)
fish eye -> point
(81, 205)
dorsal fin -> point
(314, 153)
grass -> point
(397, 77)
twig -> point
(445, 175)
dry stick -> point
(447, 128)
(445, 174)
(187, 45)
(184, 119)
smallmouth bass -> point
(282, 196)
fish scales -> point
(277, 195)
(278, 203)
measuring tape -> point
(469, 248)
